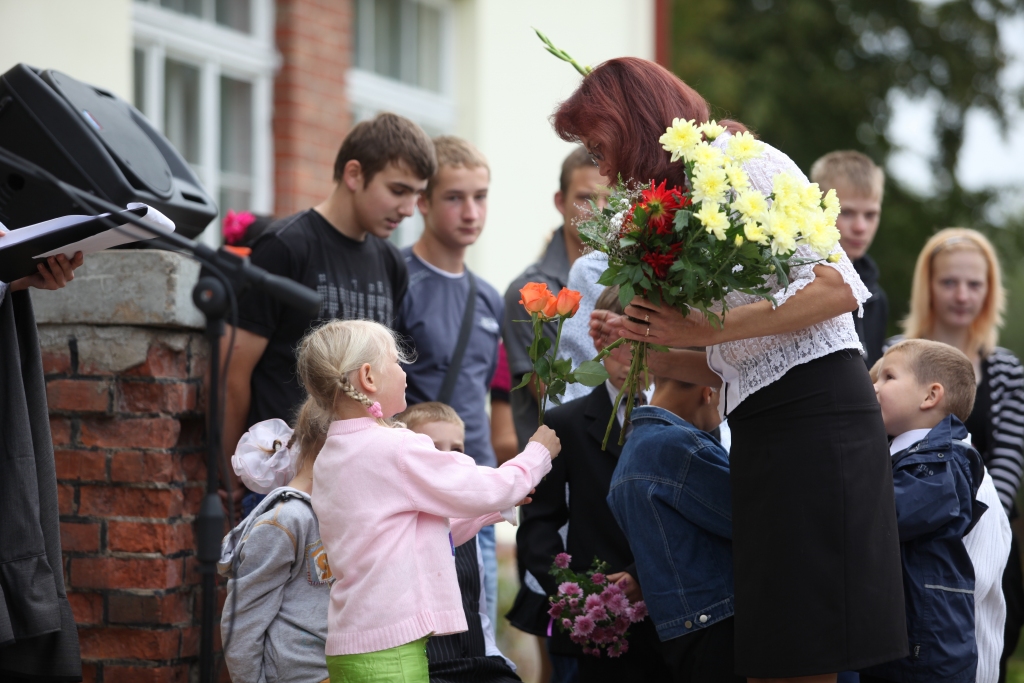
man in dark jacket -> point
(579, 183)
(859, 184)
(38, 637)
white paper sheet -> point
(104, 240)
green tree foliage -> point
(812, 76)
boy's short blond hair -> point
(935, 362)
(432, 411)
(453, 152)
(849, 171)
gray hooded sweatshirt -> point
(274, 625)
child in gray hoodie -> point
(274, 624)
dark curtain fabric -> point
(38, 638)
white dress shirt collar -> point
(906, 440)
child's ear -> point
(706, 395)
(936, 392)
(366, 379)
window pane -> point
(235, 14)
(181, 108)
(387, 36)
(236, 200)
(193, 7)
(235, 126)
(139, 79)
(428, 44)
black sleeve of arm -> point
(258, 312)
(538, 540)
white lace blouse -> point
(747, 365)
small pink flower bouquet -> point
(595, 613)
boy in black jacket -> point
(574, 492)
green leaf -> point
(562, 366)
(608, 276)
(556, 389)
(542, 367)
(780, 272)
(626, 241)
(626, 294)
(543, 346)
(526, 380)
(590, 373)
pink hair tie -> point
(235, 225)
(375, 410)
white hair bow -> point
(262, 458)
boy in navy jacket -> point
(926, 391)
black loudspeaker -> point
(94, 140)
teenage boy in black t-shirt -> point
(338, 248)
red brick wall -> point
(130, 477)
(311, 111)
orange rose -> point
(551, 307)
(568, 302)
(535, 297)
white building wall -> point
(508, 86)
(90, 40)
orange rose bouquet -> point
(550, 373)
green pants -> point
(403, 664)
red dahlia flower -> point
(660, 263)
(661, 205)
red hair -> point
(626, 104)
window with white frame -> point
(204, 77)
(404, 63)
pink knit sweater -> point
(383, 497)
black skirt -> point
(819, 585)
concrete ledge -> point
(143, 287)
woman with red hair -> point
(818, 584)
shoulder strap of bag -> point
(448, 387)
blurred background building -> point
(258, 95)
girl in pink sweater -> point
(384, 496)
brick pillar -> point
(124, 358)
(311, 110)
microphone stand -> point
(214, 296)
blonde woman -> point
(958, 298)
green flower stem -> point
(543, 399)
(637, 368)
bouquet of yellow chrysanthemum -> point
(689, 247)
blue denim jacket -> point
(937, 483)
(670, 494)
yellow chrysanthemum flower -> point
(831, 206)
(810, 196)
(755, 232)
(737, 177)
(681, 137)
(752, 205)
(738, 241)
(704, 154)
(834, 257)
(822, 238)
(711, 129)
(783, 232)
(744, 147)
(713, 220)
(709, 184)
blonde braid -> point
(346, 388)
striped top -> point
(1002, 447)
(1003, 379)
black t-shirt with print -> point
(356, 280)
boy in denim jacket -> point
(670, 494)
(926, 390)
